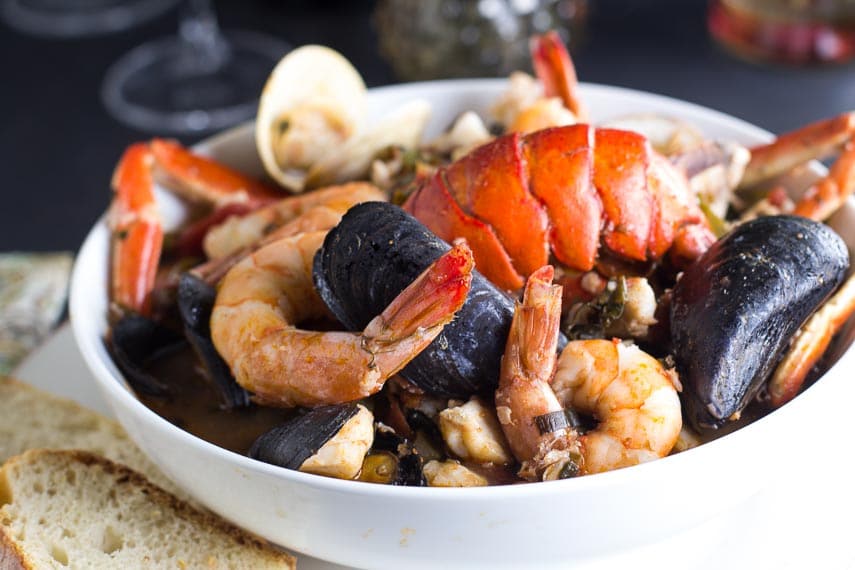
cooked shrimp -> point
(629, 393)
(522, 92)
(524, 108)
(544, 113)
(524, 393)
(239, 236)
(264, 296)
(319, 210)
(529, 106)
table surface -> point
(59, 146)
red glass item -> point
(803, 32)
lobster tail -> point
(434, 206)
(561, 166)
(491, 183)
(565, 189)
(621, 160)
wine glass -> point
(199, 81)
(78, 18)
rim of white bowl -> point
(118, 388)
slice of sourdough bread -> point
(71, 509)
(33, 419)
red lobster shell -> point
(569, 190)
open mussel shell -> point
(371, 256)
(328, 440)
(736, 307)
(135, 341)
(195, 303)
(393, 461)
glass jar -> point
(787, 31)
(430, 39)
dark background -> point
(58, 146)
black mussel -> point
(346, 431)
(735, 309)
(393, 461)
(371, 256)
(136, 341)
(427, 437)
(195, 303)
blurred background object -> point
(33, 290)
(78, 18)
(201, 80)
(431, 39)
(59, 144)
(787, 31)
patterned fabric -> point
(33, 292)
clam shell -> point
(401, 127)
(314, 100)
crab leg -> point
(826, 196)
(815, 141)
(810, 344)
(137, 235)
(134, 221)
(201, 179)
(555, 69)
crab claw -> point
(815, 141)
(810, 344)
(201, 179)
(826, 196)
(137, 235)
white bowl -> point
(545, 524)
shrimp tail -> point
(535, 330)
(524, 393)
(416, 316)
(264, 296)
(429, 302)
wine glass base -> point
(78, 18)
(156, 88)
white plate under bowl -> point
(546, 524)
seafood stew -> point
(447, 441)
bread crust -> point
(12, 557)
(124, 480)
(21, 404)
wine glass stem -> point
(205, 50)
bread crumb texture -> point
(72, 509)
(33, 419)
